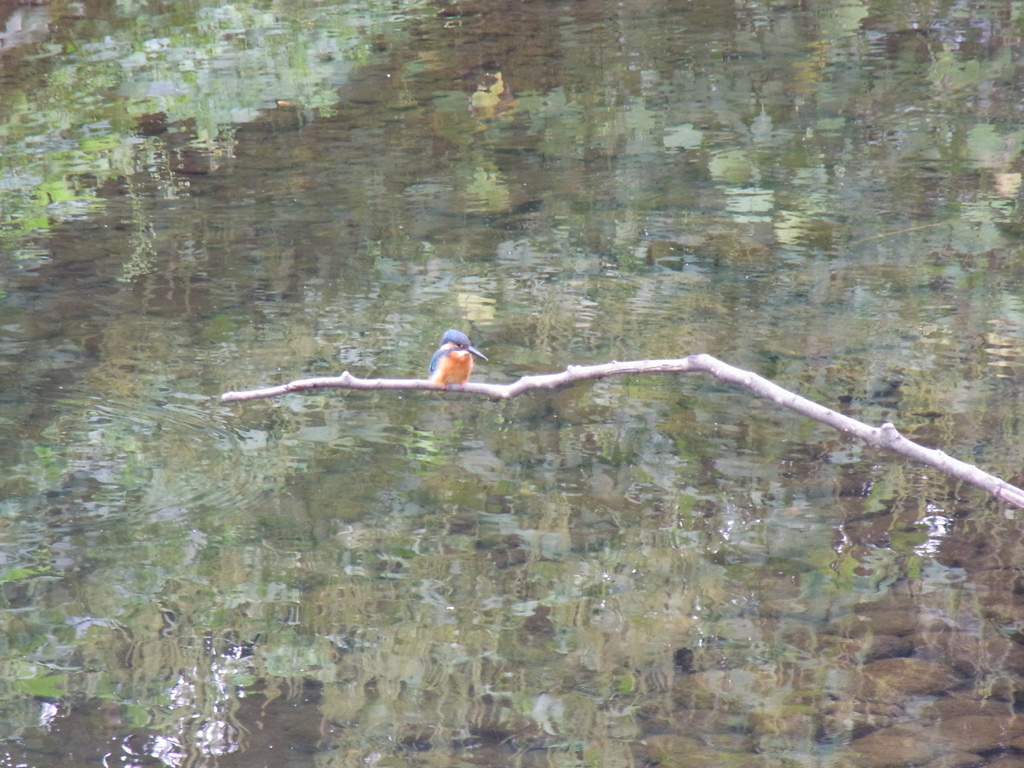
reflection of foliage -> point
(61, 138)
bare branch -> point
(885, 437)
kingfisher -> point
(453, 361)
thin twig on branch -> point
(885, 436)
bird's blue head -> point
(452, 336)
(454, 339)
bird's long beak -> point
(477, 352)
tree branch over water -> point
(884, 437)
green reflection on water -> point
(80, 101)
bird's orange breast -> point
(454, 367)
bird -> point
(453, 361)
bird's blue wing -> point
(433, 360)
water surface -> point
(640, 571)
